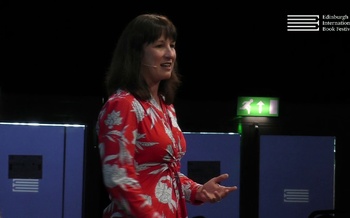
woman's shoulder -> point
(125, 99)
(119, 98)
(121, 95)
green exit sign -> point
(257, 107)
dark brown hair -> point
(124, 71)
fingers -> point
(212, 198)
(213, 192)
(222, 194)
(217, 198)
(231, 189)
(223, 177)
(214, 201)
(220, 178)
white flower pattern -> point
(141, 145)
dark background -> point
(54, 56)
(224, 50)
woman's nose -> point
(170, 52)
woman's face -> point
(158, 60)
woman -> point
(140, 142)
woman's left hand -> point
(212, 191)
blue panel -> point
(222, 147)
(296, 175)
(74, 159)
(32, 197)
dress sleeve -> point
(117, 129)
(190, 189)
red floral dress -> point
(141, 146)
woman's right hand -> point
(212, 191)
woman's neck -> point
(154, 93)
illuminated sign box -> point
(257, 106)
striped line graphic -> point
(296, 195)
(303, 22)
(25, 185)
